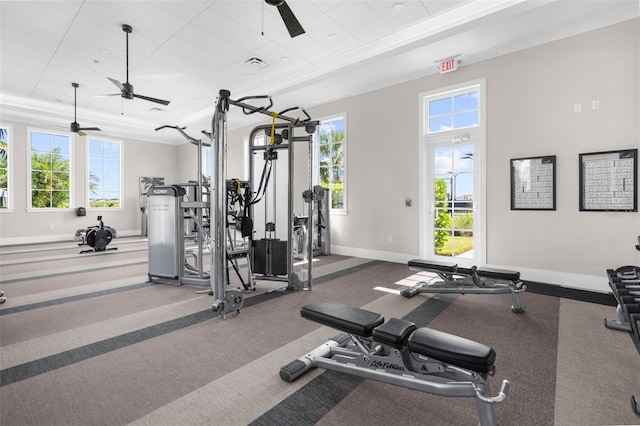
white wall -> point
(19, 225)
(530, 112)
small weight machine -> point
(98, 237)
(277, 155)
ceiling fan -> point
(290, 20)
(75, 127)
(126, 89)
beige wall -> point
(19, 225)
(530, 112)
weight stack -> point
(269, 257)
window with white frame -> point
(5, 168)
(457, 111)
(451, 173)
(331, 141)
(104, 160)
(50, 170)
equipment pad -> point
(452, 349)
(433, 266)
(342, 317)
(394, 332)
(499, 274)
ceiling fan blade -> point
(81, 133)
(116, 82)
(97, 129)
(156, 100)
(290, 20)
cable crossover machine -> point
(271, 258)
(212, 220)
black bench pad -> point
(452, 349)
(433, 266)
(342, 317)
(499, 274)
(394, 332)
(453, 268)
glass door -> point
(452, 200)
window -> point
(104, 160)
(331, 163)
(452, 149)
(453, 112)
(206, 162)
(5, 169)
(50, 170)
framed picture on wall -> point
(533, 183)
(608, 181)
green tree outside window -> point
(4, 168)
(331, 160)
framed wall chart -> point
(533, 183)
(608, 181)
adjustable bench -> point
(400, 353)
(474, 280)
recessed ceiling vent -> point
(255, 62)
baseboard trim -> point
(571, 293)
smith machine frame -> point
(230, 300)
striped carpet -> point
(86, 340)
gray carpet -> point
(86, 341)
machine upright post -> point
(310, 224)
(218, 165)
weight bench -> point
(399, 353)
(474, 280)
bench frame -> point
(459, 280)
(361, 354)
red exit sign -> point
(448, 66)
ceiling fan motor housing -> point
(127, 90)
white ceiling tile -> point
(186, 10)
(229, 30)
(328, 33)
(436, 7)
(28, 16)
(204, 46)
(360, 20)
(412, 11)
